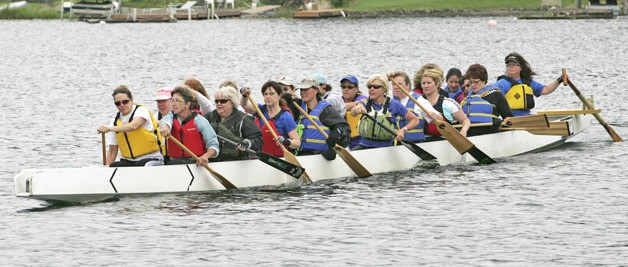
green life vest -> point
(369, 129)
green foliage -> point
(444, 4)
(31, 11)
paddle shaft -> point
(286, 154)
(424, 155)
(104, 150)
(226, 183)
(588, 105)
(355, 166)
(271, 160)
(455, 138)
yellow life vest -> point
(353, 123)
(520, 95)
(139, 141)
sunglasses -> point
(221, 101)
(347, 87)
(123, 102)
(374, 86)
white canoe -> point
(90, 184)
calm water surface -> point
(564, 207)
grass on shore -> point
(51, 11)
(365, 5)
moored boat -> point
(90, 184)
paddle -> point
(529, 121)
(588, 105)
(560, 128)
(216, 175)
(424, 155)
(104, 150)
(286, 154)
(355, 166)
(455, 138)
(271, 160)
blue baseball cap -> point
(350, 78)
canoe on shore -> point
(90, 184)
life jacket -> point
(270, 145)
(312, 139)
(354, 120)
(431, 128)
(188, 135)
(415, 134)
(520, 95)
(477, 109)
(369, 129)
(139, 141)
(230, 128)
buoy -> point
(492, 23)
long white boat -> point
(89, 184)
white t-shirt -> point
(141, 112)
(336, 101)
(450, 106)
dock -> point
(327, 13)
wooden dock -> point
(163, 16)
(310, 14)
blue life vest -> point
(415, 134)
(312, 139)
(476, 108)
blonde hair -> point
(419, 74)
(382, 78)
(229, 92)
(436, 75)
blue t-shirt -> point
(504, 86)
(284, 123)
(396, 109)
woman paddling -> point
(415, 134)
(448, 109)
(277, 114)
(484, 103)
(518, 82)
(189, 128)
(351, 94)
(337, 129)
(233, 124)
(385, 109)
(135, 133)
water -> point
(563, 207)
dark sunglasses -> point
(221, 101)
(347, 87)
(123, 102)
(374, 86)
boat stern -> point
(23, 183)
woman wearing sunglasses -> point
(135, 133)
(191, 129)
(231, 123)
(385, 109)
(278, 116)
(351, 94)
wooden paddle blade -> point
(282, 165)
(612, 133)
(355, 166)
(221, 178)
(457, 140)
(424, 155)
(539, 120)
(560, 128)
(293, 159)
(461, 143)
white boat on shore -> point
(89, 184)
(94, 9)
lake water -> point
(564, 207)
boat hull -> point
(90, 184)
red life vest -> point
(270, 145)
(432, 128)
(188, 135)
